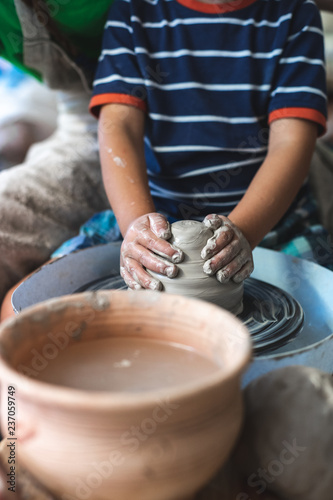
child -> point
(206, 108)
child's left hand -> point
(228, 251)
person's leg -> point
(45, 200)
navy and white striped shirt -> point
(211, 78)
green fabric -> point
(81, 20)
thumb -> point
(160, 226)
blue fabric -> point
(210, 83)
(99, 229)
(10, 76)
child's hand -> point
(144, 239)
(228, 251)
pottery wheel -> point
(272, 316)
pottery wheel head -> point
(190, 232)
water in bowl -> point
(126, 365)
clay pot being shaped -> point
(191, 281)
(134, 394)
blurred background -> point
(27, 114)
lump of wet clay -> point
(287, 442)
(191, 281)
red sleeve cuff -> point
(305, 113)
(100, 100)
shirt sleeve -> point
(299, 89)
(118, 78)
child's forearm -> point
(278, 180)
(121, 132)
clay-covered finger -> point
(148, 239)
(222, 236)
(151, 261)
(213, 221)
(130, 282)
(226, 273)
(244, 272)
(222, 258)
(139, 275)
(160, 226)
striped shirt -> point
(211, 78)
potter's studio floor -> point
(225, 486)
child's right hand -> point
(144, 246)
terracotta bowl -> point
(163, 444)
